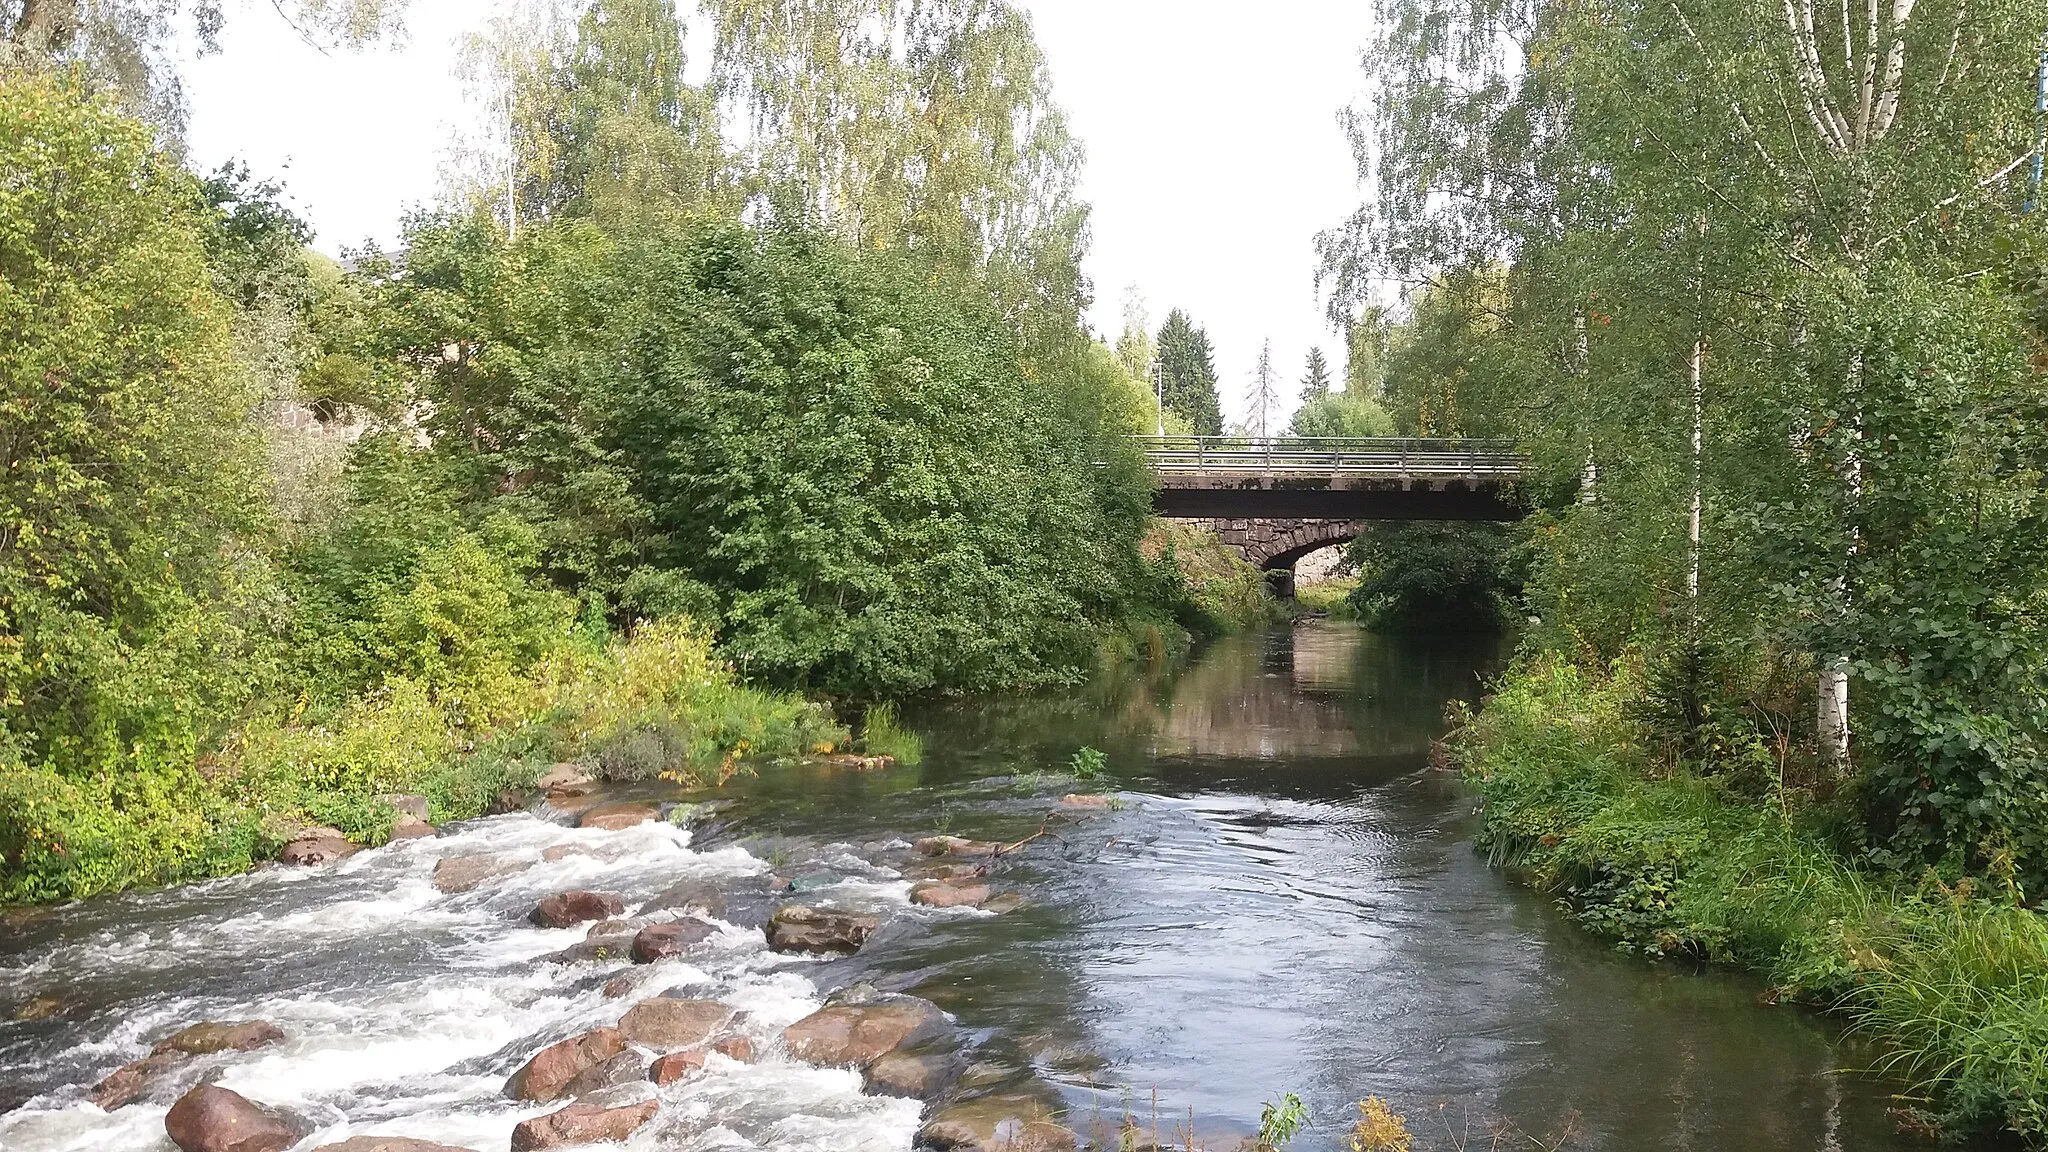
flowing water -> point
(1285, 899)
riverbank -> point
(658, 702)
(1951, 978)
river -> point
(1284, 899)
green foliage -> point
(1214, 590)
(882, 734)
(1088, 763)
(1345, 413)
(1280, 1123)
(1315, 378)
(134, 499)
(1671, 863)
(1429, 576)
(1187, 374)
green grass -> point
(1951, 979)
(883, 734)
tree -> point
(127, 44)
(1265, 394)
(1365, 351)
(132, 512)
(1315, 382)
(1187, 374)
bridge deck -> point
(1340, 477)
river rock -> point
(1004, 1123)
(568, 909)
(740, 1048)
(408, 804)
(131, 1080)
(626, 927)
(388, 1144)
(210, 1118)
(1006, 902)
(660, 941)
(316, 846)
(602, 950)
(626, 1068)
(676, 1065)
(668, 1022)
(508, 800)
(582, 1124)
(801, 928)
(568, 779)
(914, 1075)
(855, 761)
(857, 1035)
(955, 846)
(939, 870)
(613, 817)
(464, 873)
(564, 851)
(410, 828)
(949, 894)
(549, 1073)
(1086, 801)
(698, 897)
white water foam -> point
(425, 1051)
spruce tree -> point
(1315, 384)
(1187, 374)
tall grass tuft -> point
(883, 734)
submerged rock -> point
(464, 873)
(1016, 1122)
(548, 1074)
(1006, 902)
(801, 928)
(660, 941)
(316, 846)
(613, 817)
(568, 909)
(701, 897)
(1087, 801)
(857, 1035)
(668, 1022)
(955, 846)
(582, 1124)
(949, 894)
(602, 950)
(388, 1144)
(855, 761)
(564, 851)
(914, 1075)
(210, 1118)
(131, 1080)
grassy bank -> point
(1665, 861)
(657, 703)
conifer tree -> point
(1187, 374)
(1315, 383)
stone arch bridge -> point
(1276, 500)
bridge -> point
(1277, 499)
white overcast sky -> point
(1213, 151)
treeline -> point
(593, 451)
(1760, 293)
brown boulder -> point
(568, 909)
(613, 817)
(676, 1065)
(1087, 801)
(955, 846)
(626, 1068)
(582, 1124)
(316, 846)
(410, 828)
(564, 851)
(857, 1035)
(552, 1068)
(799, 928)
(915, 1076)
(949, 894)
(660, 941)
(130, 1080)
(464, 873)
(571, 779)
(856, 762)
(210, 1118)
(618, 986)
(409, 804)
(603, 950)
(388, 1144)
(666, 1022)
(1006, 1123)
(739, 1048)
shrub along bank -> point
(1950, 972)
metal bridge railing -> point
(1332, 455)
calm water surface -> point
(1285, 900)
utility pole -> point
(1158, 399)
